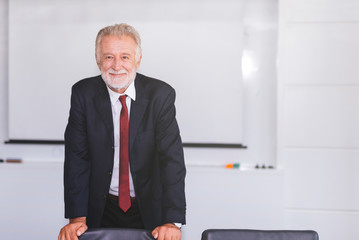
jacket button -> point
(104, 196)
(109, 173)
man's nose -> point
(117, 64)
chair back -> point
(116, 234)
(245, 234)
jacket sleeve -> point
(77, 165)
(171, 160)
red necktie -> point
(124, 185)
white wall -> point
(31, 202)
(318, 115)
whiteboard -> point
(195, 46)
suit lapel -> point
(138, 109)
(103, 107)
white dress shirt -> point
(116, 111)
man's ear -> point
(138, 63)
(98, 62)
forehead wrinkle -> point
(115, 47)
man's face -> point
(118, 64)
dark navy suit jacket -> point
(155, 149)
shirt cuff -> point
(179, 225)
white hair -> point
(119, 30)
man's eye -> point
(108, 57)
(125, 57)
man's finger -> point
(155, 233)
(81, 230)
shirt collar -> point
(130, 91)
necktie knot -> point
(123, 100)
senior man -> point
(124, 164)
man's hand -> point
(168, 231)
(75, 228)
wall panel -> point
(323, 179)
(329, 225)
(321, 10)
(322, 53)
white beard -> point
(116, 83)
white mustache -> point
(117, 72)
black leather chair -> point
(245, 234)
(116, 234)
